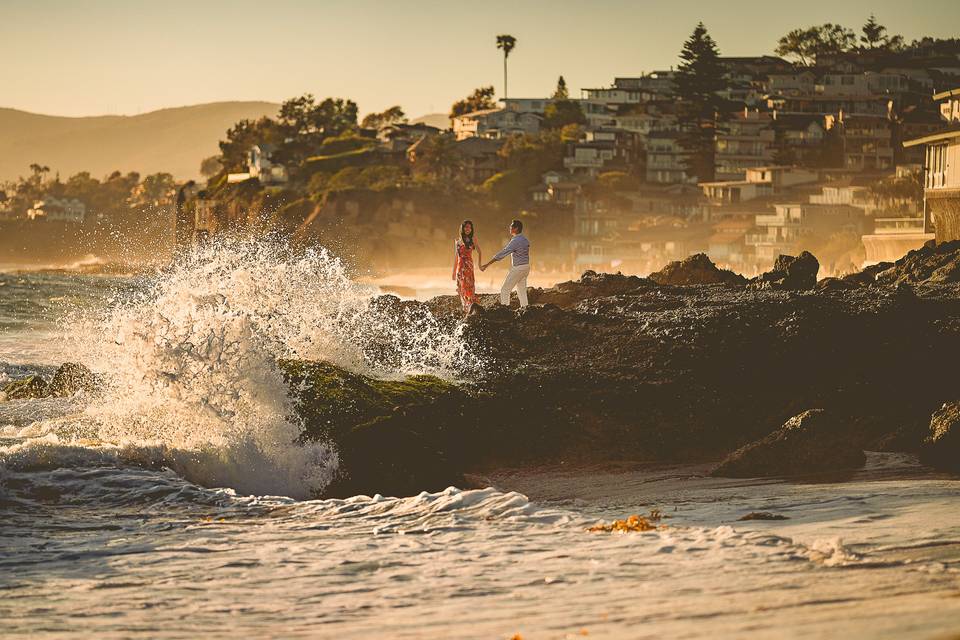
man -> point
(519, 251)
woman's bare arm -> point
(456, 260)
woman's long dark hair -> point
(467, 239)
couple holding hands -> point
(518, 249)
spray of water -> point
(191, 358)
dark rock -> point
(791, 273)
(867, 276)
(931, 264)
(696, 269)
(393, 436)
(810, 442)
(836, 284)
(614, 367)
(24, 388)
(941, 448)
(590, 285)
(72, 378)
(762, 515)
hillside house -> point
(784, 231)
(746, 140)
(51, 209)
(496, 123)
(603, 149)
(867, 141)
(665, 159)
(942, 174)
(261, 167)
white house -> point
(58, 210)
(941, 191)
(260, 165)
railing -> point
(936, 179)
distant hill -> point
(172, 140)
(439, 120)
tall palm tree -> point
(507, 43)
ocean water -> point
(177, 504)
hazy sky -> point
(110, 56)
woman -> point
(463, 265)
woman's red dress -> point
(465, 282)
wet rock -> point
(590, 285)
(791, 273)
(26, 388)
(810, 442)
(941, 448)
(868, 276)
(931, 264)
(393, 436)
(836, 284)
(72, 378)
(696, 269)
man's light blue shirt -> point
(519, 250)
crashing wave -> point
(190, 364)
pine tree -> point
(700, 79)
(561, 92)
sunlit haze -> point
(112, 57)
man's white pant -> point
(516, 277)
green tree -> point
(153, 194)
(874, 36)
(211, 166)
(439, 157)
(561, 113)
(479, 100)
(700, 79)
(390, 116)
(783, 154)
(506, 43)
(305, 124)
(243, 135)
(561, 92)
(806, 45)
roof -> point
(943, 95)
(481, 112)
(731, 183)
(479, 146)
(937, 137)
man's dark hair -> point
(516, 224)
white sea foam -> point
(191, 364)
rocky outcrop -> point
(941, 448)
(931, 264)
(397, 436)
(811, 442)
(590, 285)
(696, 269)
(614, 367)
(68, 380)
(791, 273)
(72, 378)
(26, 388)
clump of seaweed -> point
(762, 515)
(633, 523)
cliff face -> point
(619, 368)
